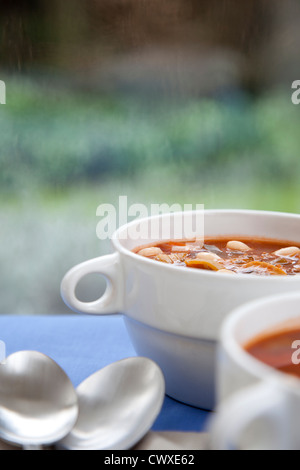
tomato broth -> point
(278, 350)
(233, 255)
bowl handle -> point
(112, 299)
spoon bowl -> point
(117, 405)
(38, 403)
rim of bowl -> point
(239, 277)
(239, 355)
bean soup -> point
(235, 255)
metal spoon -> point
(38, 403)
(117, 406)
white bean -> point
(150, 251)
(237, 246)
(288, 251)
(207, 256)
(163, 257)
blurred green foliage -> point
(59, 137)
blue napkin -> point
(81, 345)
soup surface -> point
(263, 257)
(278, 351)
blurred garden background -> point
(164, 101)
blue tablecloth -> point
(81, 345)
